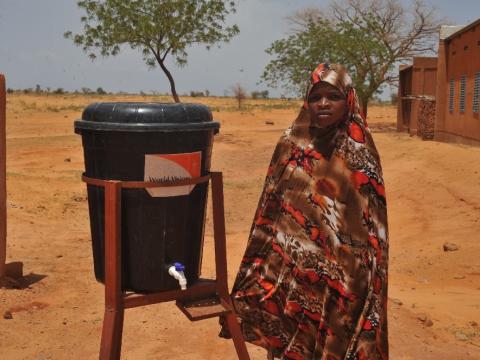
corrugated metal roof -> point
(459, 31)
(448, 30)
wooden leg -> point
(111, 345)
(237, 336)
(219, 234)
(221, 264)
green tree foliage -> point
(297, 55)
(158, 28)
(369, 37)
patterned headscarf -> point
(337, 76)
(313, 280)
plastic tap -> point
(177, 271)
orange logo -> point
(170, 167)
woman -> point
(313, 281)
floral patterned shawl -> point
(313, 281)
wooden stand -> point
(204, 299)
(11, 272)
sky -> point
(33, 50)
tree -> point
(369, 37)
(298, 54)
(259, 94)
(194, 93)
(158, 28)
(239, 93)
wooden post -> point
(9, 273)
(219, 233)
(111, 345)
(221, 264)
(3, 187)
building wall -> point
(424, 76)
(419, 79)
(460, 57)
(403, 106)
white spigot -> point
(176, 270)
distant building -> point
(458, 85)
(440, 97)
(417, 82)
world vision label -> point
(171, 167)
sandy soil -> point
(433, 192)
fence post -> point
(3, 187)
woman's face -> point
(327, 105)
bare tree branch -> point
(371, 37)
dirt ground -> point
(433, 195)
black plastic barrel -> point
(121, 141)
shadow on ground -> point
(21, 283)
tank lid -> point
(136, 116)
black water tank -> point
(149, 142)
